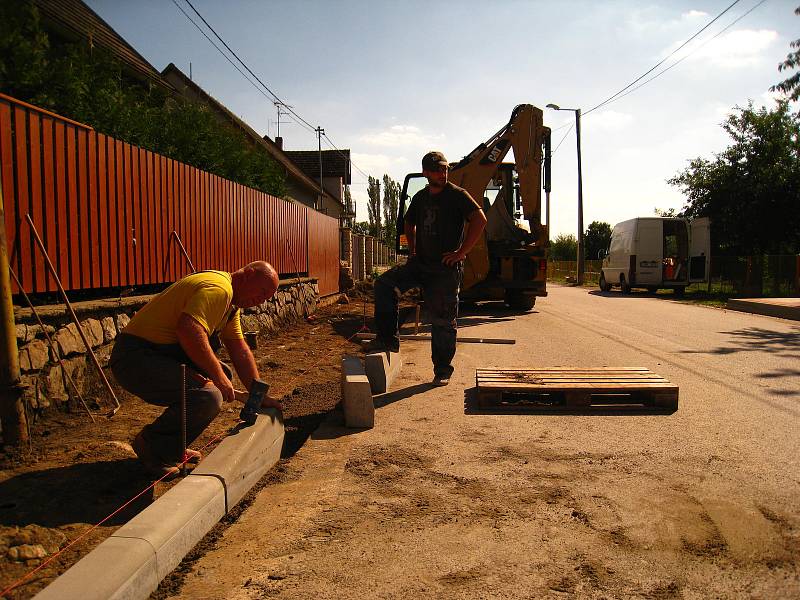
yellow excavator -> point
(508, 262)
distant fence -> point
(768, 275)
(105, 210)
(365, 253)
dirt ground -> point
(77, 472)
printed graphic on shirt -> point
(429, 221)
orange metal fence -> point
(105, 210)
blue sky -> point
(391, 80)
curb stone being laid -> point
(131, 563)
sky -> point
(391, 80)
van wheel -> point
(623, 285)
(604, 285)
(519, 301)
(679, 291)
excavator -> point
(508, 263)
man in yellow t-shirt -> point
(183, 325)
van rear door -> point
(699, 249)
(648, 251)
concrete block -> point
(178, 520)
(245, 456)
(119, 568)
(382, 368)
(359, 410)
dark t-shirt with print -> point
(440, 220)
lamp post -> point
(577, 112)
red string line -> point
(27, 576)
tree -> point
(596, 239)
(391, 199)
(750, 190)
(791, 85)
(565, 247)
(89, 85)
(374, 205)
(361, 228)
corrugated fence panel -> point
(323, 251)
(106, 210)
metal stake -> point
(183, 419)
(93, 356)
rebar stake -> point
(183, 419)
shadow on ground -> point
(122, 479)
(757, 339)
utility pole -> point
(320, 132)
(581, 252)
(580, 258)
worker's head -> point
(435, 168)
(254, 284)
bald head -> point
(254, 283)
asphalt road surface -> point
(441, 501)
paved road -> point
(439, 502)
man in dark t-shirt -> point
(442, 224)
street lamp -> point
(577, 112)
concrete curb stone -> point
(132, 562)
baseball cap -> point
(433, 160)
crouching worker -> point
(442, 224)
(184, 325)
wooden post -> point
(12, 412)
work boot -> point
(441, 380)
(151, 462)
(378, 345)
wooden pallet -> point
(571, 388)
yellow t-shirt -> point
(206, 296)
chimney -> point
(279, 142)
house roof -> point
(271, 147)
(74, 20)
(335, 163)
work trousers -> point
(440, 286)
(153, 372)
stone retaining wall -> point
(102, 321)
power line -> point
(291, 112)
(661, 62)
(562, 139)
(679, 61)
(233, 64)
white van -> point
(657, 252)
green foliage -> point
(667, 212)
(361, 228)
(391, 201)
(751, 189)
(564, 247)
(791, 85)
(596, 239)
(88, 85)
(374, 205)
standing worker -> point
(434, 225)
(184, 324)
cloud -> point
(739, 48)
(377, 164)
(609, 120)
(400, 135)
(693, 14)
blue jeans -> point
(440, 285)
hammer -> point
(258, 390)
